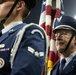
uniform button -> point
(2, 62)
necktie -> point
(63, 61)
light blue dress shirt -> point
(11, 25)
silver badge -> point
(12, 30)
(1, 62)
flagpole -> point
(51, 11)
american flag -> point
(51, 12)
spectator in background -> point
(65, 39)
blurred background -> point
(69, 9)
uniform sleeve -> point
(31, 53)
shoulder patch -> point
(38, 31)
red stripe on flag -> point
(51, 55)
(43, 25)
(48, 10)
(56, 57)
(57, 12)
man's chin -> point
(61, 50)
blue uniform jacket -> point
(70, 69)
(26, 62)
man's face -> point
(62, 36)
(5, 6)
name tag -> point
(4, 49)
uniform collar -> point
(69, 58)
(11, 25)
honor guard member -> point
(65, 40)
(22, 46)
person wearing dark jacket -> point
(22, 46)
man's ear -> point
(20, 5)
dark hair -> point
(30, 3)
